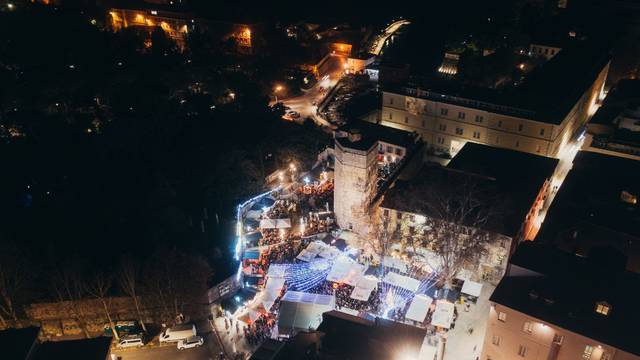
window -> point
(440, 140)
(517, 143)
(398, 151)
(499, 123)
(603, 308)
(459, 131)
(522, 351)
(476, 134)
(406, 119)
(527, 327)
(538, 148)
(479, 118)
(496, 340)
(558, 339)
(546, 51)
(502, 316)
(444, 111)
(553, 51)
(386, 212)
(443, 127)
(389, 148)
(586, 354)
(461, 115)
(605, 356)
(520, 127)
(391, 101)
(542, 132)
(390, 116)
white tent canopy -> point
(345, 270)
(471, 288)
(275, 223)
(277, 270)
(398, 264)
(443, 314)
(253, 214)
(419, 308)
(302, 311)
(364, 287)
(401, 281)
(306, 255)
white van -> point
(177, 333)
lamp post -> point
(277, 89)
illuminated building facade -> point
(553, 305)
(540, 116)
(175, 25)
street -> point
(209, 351)
(330, 73)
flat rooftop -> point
(589, 213)
(370, 134)
(547, 94)
(508, 181)
(564, 291)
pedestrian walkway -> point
(232, 337)
(465, 341)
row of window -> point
(390, 149)
(540, 50)
(461, 115)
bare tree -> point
(15, 276)
(128, 276)
(458, 211)
(68, 285)
(98, 286)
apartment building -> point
(553, 305)
(540, 116)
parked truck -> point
(177, 333)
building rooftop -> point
(351, 337)
(365, 135)
(85, 349)
(547, 94)
(564, 290)
(18, 343)
(589, 212)
(508, 181)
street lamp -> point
(276, 90)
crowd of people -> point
(259, 330)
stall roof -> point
(443, 314)
(471, 288)
(401, 281)
(364, 287)
(419, 308)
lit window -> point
(588, 350)
(527, 327)
(558, 339)
(522, 351)
(502, 316)
(496, 340)
(603, 308)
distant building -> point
(597, 210)
(553, 305)
(360, 151)
(174, 23)
(615, 127)
(540, 116)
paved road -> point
(209, 351)
(330, 73)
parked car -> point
(124, 327)
(130, 341)
(177, 333)
(190, 342)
